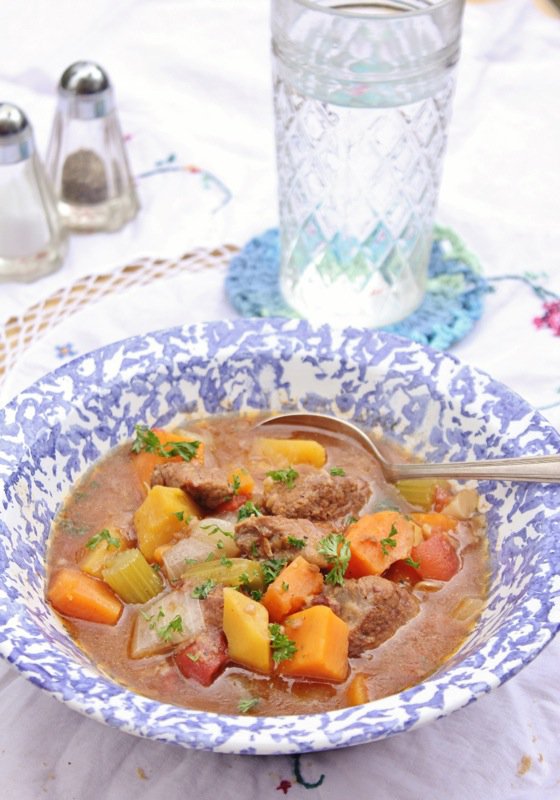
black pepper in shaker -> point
(84, 181)
(86, 158)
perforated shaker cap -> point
(85, 91)
(16, 135)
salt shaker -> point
(32, 239)
(86, 158)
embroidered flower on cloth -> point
(65, 350)
(550, 318)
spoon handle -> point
(542, 469)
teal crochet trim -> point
(452, 304)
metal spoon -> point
(542, 469)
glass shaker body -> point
(32, 239)
(86, 158)
(362, 96)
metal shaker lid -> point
(85, 91)
(16, 135)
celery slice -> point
(420, 491)
(228, 572)
(132, 578)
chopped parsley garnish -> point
(282, 647)
(337, 471)
(247, 704)
(271, 569)
(285, 586)
(185, 450)
(147, 440)
(213, 528)
(349, 521)
(103, 536)
(336, 549)
(389, 541)
(181, 517)
(297, 543)
(286, 476)
(244, 580)
(248, 509)
(235, 485)
(152, 619)
(256, 594)
(226, 562)
(411, 562)
(175, 626)
(202, 591)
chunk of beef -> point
(316, 495)
(374, 609)
(279, 537)
(207, 485)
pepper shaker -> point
(86, 158)
(32, 239)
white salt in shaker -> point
(86, 158)
(32, 240)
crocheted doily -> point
(452, 304)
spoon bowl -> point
(535, 469)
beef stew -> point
(219, 569)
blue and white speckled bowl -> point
(440, 408)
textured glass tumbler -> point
(362, 96)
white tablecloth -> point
(193, 90)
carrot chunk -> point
(321, 641)
(291, 589)
(376, 541)
(436, 558)
(75, 594)
(241, 481)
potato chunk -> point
(283, 452)
(163, 513)
(100, 551)
(246, 630)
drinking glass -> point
(362, 97)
